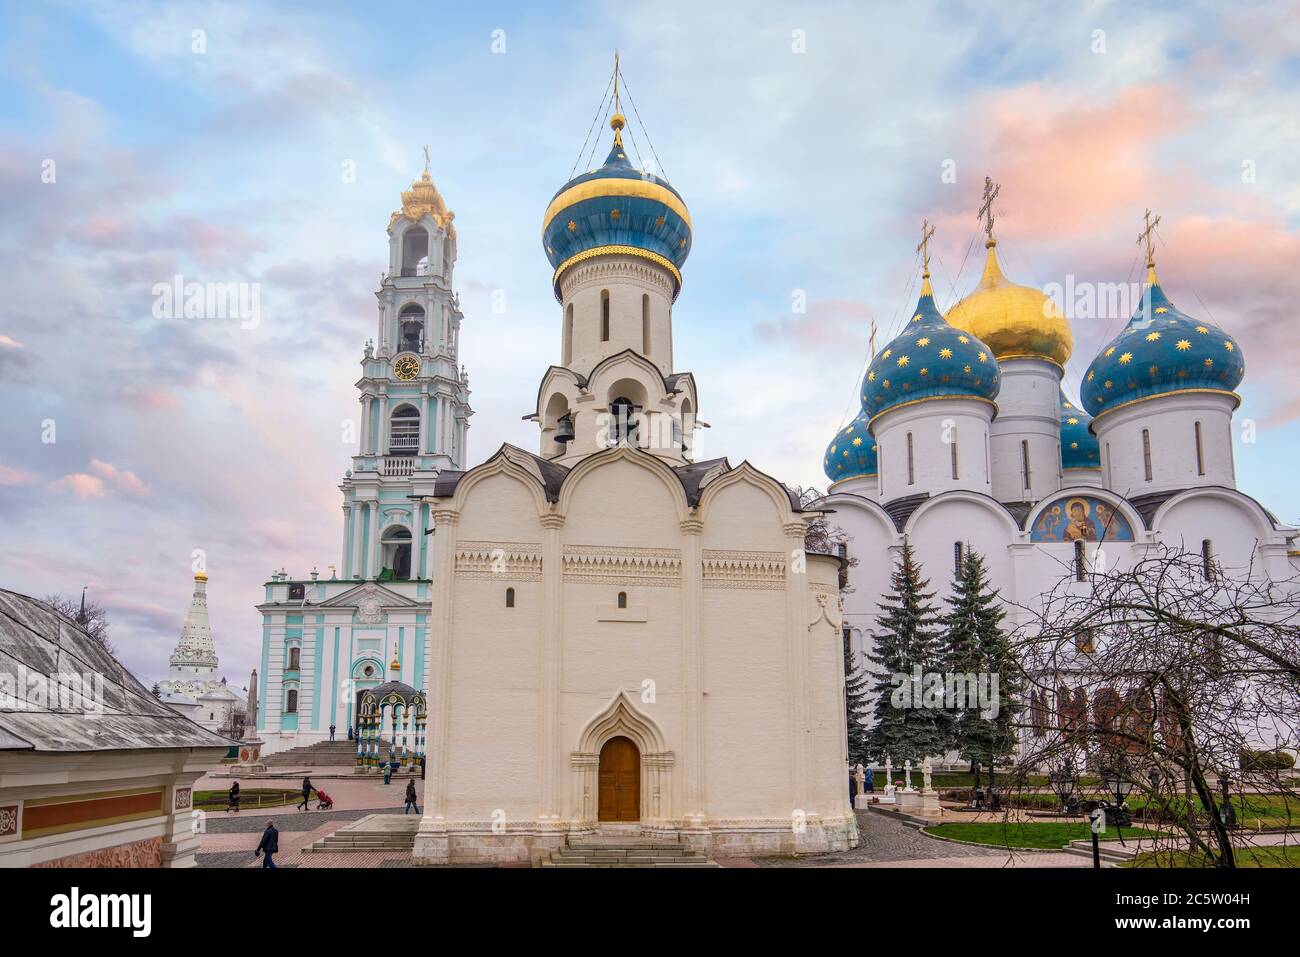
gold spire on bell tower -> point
(618, 120)
(1146, 239)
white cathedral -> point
(966, 440)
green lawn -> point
(1245, 857)
(1035, 834)
(248, 798)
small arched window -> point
(953, 450)
(957, 557)
(1146, 453)
(1200, 452)
(293, 659)
(622, 599)
(1024, 464)
(645, 323)
(404, 431)
(911, 462)
(291, 702)
(568, 335)
(1207, 559)
(1080, 562)
(510, 598)
(604, 315)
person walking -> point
(388, 772)
(331, 732)
(232, 798)
(269, 845)
(307, 788)
(871, 782)
(410, 799)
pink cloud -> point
(123, 481)
(10, 476)
(7, 343)
(826, 326)
(81, 485)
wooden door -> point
(620, 781)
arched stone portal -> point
(619, 794)
(651, 762)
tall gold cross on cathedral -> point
(872, 338)
(923, 247)
(1146, 238)
(426, 157)
(985, 213)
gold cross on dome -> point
(927, 231)
(426, 157)
(1146, 238)
(872, 338)
(985, 214)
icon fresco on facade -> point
(1081, 518)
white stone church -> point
(966, 440)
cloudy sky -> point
(809, 144)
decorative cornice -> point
(615, 251)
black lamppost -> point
(1119, 784)
(1062, 782)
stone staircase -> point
(375, 832)
(322, 754)
(625, 851)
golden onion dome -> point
(1014, 321)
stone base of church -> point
(454, 844)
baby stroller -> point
(323, 801)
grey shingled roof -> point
(33, 635)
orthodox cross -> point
(923, 247)
(426, 157)
(1146, 237)
(985, 213)
(873, 338)
(616, 103)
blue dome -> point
(1164, 352)
(617, 209)
(852, 452)
(1079, 448)
(929, 360)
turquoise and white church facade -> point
(329, 636)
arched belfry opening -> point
(415, 251)
(410, 329)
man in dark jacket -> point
(306, 794)
(269, 845)
(410, 799)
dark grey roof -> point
(692, 475)
(36, 637)
(901, 509)
(446, 482)
(552, 475)
(1019, 511)
(1147, 505)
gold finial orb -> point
(200, 576)
(617, 122)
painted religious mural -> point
(1081, 518)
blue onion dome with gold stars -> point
(929, 359)
(1161, 351)
(852, 452)
(1079, 447)
(617, 209)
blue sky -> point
(807, 141)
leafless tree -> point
(90, 615)
(1171, 672)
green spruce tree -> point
(977, 645)
(908, 636)
(857, 709)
